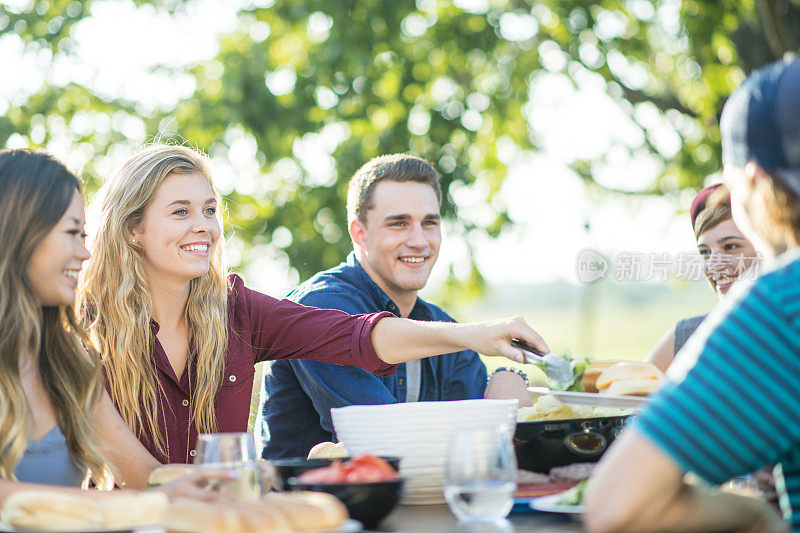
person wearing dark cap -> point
(732, 400)
(726, 254)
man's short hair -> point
(395, 167)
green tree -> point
(303, 92)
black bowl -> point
(542, 445)
(369, 503)
(294, 466)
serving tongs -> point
(556, 368)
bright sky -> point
(547, 202)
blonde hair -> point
(117, 308)
(35, 192)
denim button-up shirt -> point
(296, 401)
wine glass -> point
(234, 454)
(480, 473)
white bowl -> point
(417, 432)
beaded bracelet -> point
(517, 371)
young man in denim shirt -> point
(393, 212)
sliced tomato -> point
(365, 468)
(333, 473)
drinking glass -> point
(480, 473)
(743, 485)
(234, 454)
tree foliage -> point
(304, 92)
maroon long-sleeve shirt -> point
(260, 328)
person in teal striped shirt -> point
(732, 404)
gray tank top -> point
(48, 461)
(684, 329)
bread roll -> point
(258, 517)
(594, 369)
(57, 511)
(124, 511)
(53, 511)
(308, 511)
(200, 517)
(633, 387)
(327, 450)
(277, 512)
(628, 370)
(165, 474)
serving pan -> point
(540, 446)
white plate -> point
(592, 398)
(549, 504)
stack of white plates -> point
(417, 433)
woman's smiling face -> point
(180, 229)
(56, 261)
(726, 255)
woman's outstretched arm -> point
(397, 340)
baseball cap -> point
(761, 122)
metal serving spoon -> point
(556, 368)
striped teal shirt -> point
(733, 403)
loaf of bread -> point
(308, 511)
(201, 517)
(589, 378)
(51, 511)
(297, 511)
(631, 378)
(633, 387)
(125, 510)
(328, 450)
(56, 511)
(171, 472)
(166, 473)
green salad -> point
(577, 366)
(573, 496)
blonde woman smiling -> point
(180, 338)
(57, 424)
